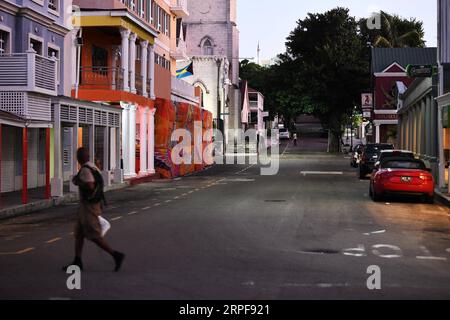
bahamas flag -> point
(186, 71)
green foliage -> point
(396, 32)
(326, 66)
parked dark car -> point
(394, 154)
(370, 156)
(356, 155)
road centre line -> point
(53, 240)
(326, 173)
(17, 252)
(116, 218)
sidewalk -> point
(10, 206)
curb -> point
(442, 198)
(20, 210)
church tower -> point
(211, 31)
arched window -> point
(208, 49)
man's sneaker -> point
(118, 259)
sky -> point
(270, 22)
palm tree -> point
(399, 33)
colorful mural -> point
(171, 116)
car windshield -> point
(397, 164)
(376, 148)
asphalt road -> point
(309, 232)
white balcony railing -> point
(180, 8)
(183, 89)
(28, 72)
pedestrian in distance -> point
(295, 138)
(92, 201)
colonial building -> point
(443, 100)
(31, 74)
(120, 64)
(41, 125)
(418, 121)
(253, 114)
(212, 41)
(389, 74)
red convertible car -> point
(402, 176)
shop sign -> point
(367, 100)
(417, 71)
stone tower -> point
(211, 30)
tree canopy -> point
(326, 66)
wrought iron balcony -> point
(101, 78)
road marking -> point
(132, 213)
(116, 218)
(428, 256)
(318, 285)
(197, 189)
(17, 252)
(157, 204)
(360, 251)
(191, 192)
(146, 208)
(168, 201)
(53, 240)
(243, 170)
(25, 250)
(431, 258)
(397, 250)
(239, 180)
(184, 194)
(325, 173)
(176, 198)
(374, 232)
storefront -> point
(84, 124)
(444, 140)
(418, 124)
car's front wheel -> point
(362, 173)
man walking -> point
(295, 138)
(90, 183)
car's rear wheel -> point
(429, 199)
(375, 197)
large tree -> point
(331, 61)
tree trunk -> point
(334, 142)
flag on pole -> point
(186, 71)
